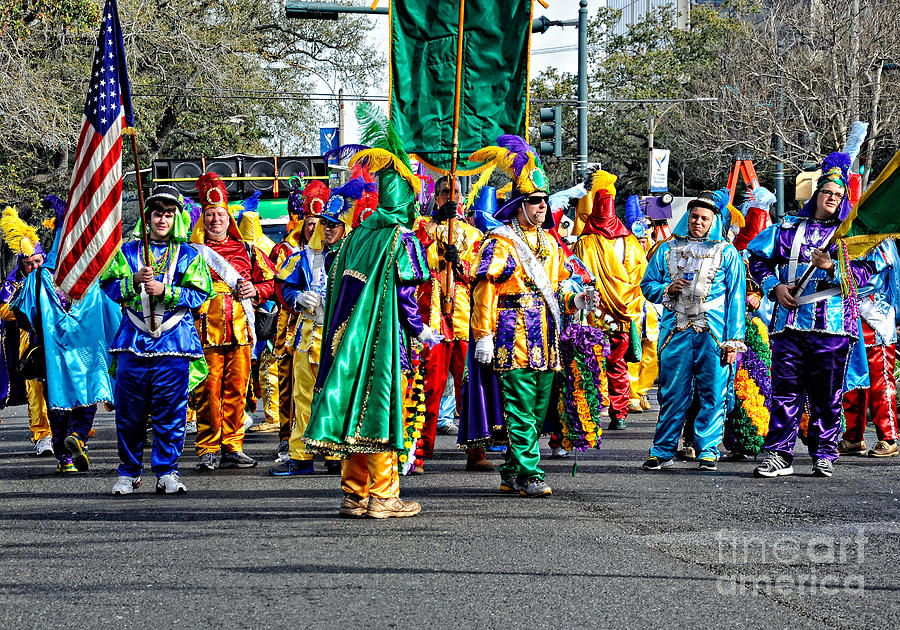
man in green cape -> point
(370, 316)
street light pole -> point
(581, 162)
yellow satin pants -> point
(642, 375)
(305, 373)
(269, 384)
(37, 410)
(221, 399)
(375, 474)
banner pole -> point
(447, 280)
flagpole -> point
(447, 300)
(145, 229)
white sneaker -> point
(190, 428)
(44, 446)
(170, 483)
(559, 452)
(126, 485)
(248, 421)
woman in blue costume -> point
(157, 340)
(699, 278)
(76, 337)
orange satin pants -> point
(220, 400)
(375, 474)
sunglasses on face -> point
(535, 200)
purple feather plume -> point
(517, 146)
(194, 210)
(841, 160)
(353, 189)
(52, 202)
(343, 152)
(295, 203)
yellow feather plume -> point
(524, 183)
(500, 157)
(603, 181)
(503, 193)
(481, 183)
(736, 217)
(379, 159)
(21, 237)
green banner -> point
(494, 87)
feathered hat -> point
(212, 191)
(635, 219)
(518, 159)
(315, 198)
(397, 184)
(19, 236)
(58, 206)
(835, 169)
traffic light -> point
(551, 131)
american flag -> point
(92, 227)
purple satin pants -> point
(807, 367)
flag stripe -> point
(105, 155)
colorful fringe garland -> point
(748, 422)
(583, 349)
(413, 419)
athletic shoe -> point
(190, 428)
(170, 483)
(208, 462)
(645, 403)
(126, 485)
(448, 429)
(76, 448)
(536, 488)
(65, 466)
(292, 467)
(774, 465)
(707, 465)
(845, 447)
(353, 506)
(655, 463)
(248, 421)
(283, 452)
(44, 446)
(237, 460)
(688, 452)
(510, 484)
(391, 508)
(558, 452)
(496, 448)
(332, 467)
(617, 424)
(822, 468)
(634, 406)
(883, 448)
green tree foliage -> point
(208, 77)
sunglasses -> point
(535, 200)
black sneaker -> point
(208, 462)
(655, 463)
(822, 468)
(79, 457)
(707, 465)
(774, 465)
(238, 459)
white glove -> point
(309, 300)
(484, 349)
(429, 337)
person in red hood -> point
(617, 261)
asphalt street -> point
(613, 547)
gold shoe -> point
(845, 447)
(265, 427)
(883, 449)
(353, 506)
(645, 403)
(392, 507)
(634, 406)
